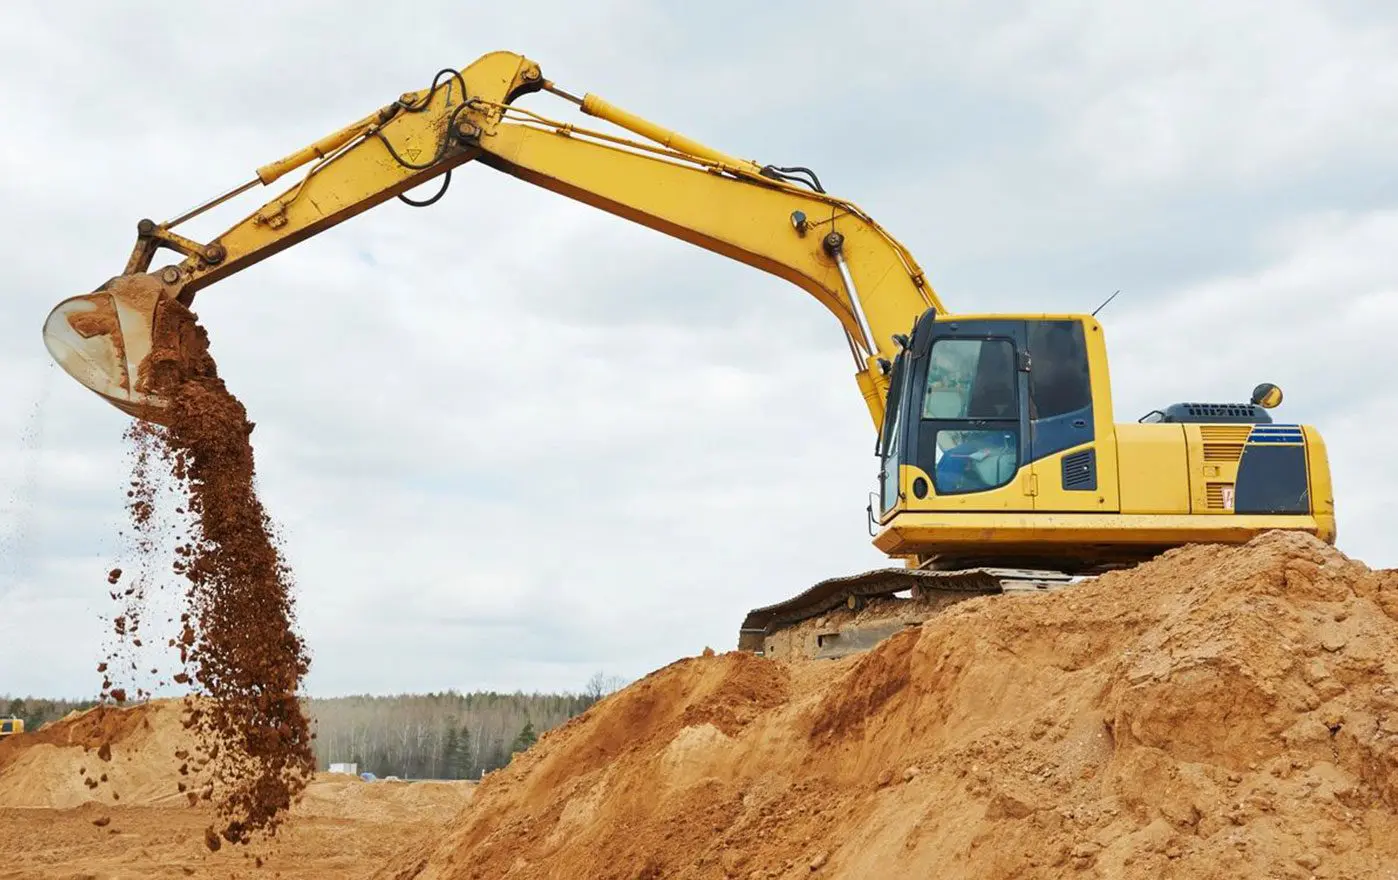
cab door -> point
(967, 397)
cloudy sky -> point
(511, 441)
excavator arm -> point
(778, 220)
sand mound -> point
(106, 755)
(1218, 712)
(337, 796)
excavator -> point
(1001, 467)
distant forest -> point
(446, 735)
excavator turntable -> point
(1000, 464)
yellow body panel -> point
(907, 533)
(1322, 490)
(1051, 496)
(1014, 495)
(1154, 474)
(1214, 452)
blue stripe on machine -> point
(1276, 434)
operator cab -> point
(973, 401)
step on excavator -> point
(1001, 467)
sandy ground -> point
(153, 843)
(60, 819)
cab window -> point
(1058, 377)
(970, 379)
(973, 381)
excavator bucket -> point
(104, 340)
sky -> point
(510, 441)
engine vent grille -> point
(1224, 442)
(1219, 410)
(1080, 471)
(1219, 496)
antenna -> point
(1104, 305)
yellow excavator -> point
(11, 726)
(1000, 463)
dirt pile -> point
(106, 755)
(1217, 713)
(338, 796)
(236, 641)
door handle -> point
(1079, 423)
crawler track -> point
(762, 627)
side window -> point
(4, 727)
(973, 380)
(1058, 377)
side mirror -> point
(1266, 395)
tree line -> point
(436, 736)
(36, 711)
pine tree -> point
(451, 749)
(461, 765)
(526, 738)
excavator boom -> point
(745, 211)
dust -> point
(236, 638)
(1219, 712)
(18, 527)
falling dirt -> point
(237, 642)
(1217, 713)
